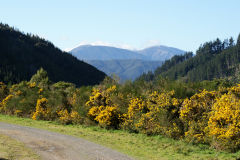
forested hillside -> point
(21, 55)
(214, 59)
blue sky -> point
(183, 24)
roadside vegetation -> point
(147, 120)
(11, 149)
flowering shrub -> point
(18, 112)
(64, 116)
(4, 98)
(23, 99)
(78, 102)
(195, 115)
(136, 108)
(42, 111)
(102, 109)
(163, 116)
(211, 117)
(67, 118)
(157, 115)
(235, 90)
(76, 118)
(3, 104)
(3, 91)
(73, 99)
(224, 122)
(32, 85)
(101, 97)
(106, 116)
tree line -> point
(214, 59)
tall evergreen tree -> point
(231, 42)
(238, 40)
(238, 44)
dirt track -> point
(55, 146)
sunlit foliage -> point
(210, 116)
(195, 115)
(102, 109)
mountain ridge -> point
(97, 52)
(102, 52)
(127, 64)
(22, 55)
(160, 52)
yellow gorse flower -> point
(103, 110)
(42, 111)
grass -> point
(11, 149)
(139, 146)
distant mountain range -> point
(155, 53)
(89, 52)
(127, 64)
(128, 69)
(160, 53)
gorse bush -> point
(42, 110)
(22, 99)
(158, 114)
(69, 118)
(198, 116)
(137, 107)
(40, 100)
(163, 115)
(194, 113)
(106, 116)
(3, 91)
(102, 108)
(224, 121)
(3, 104)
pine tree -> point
(238, 41)
(231, 42)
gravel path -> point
(55, 146)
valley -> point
(126, 64)
(119, 80)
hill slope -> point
(89, 52)
(155, 53)
(22, 55)
(214, 59)
(160, 53)
(125, 69)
